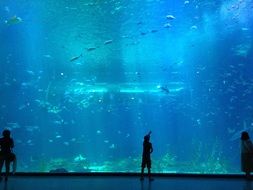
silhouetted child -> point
(246, 154)
(146, 160)
(6, 155)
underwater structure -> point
(82, 82)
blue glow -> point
(82, 82)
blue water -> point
(82, 82)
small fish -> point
(79, 158)
(30, 72)
(73, 139)
(98, 132)
(143, 33)
(13, 20)
(48, 56)
(194, 27)
(22, 107)
(154, 31)
(170, 17)
(245, 29)
(108, 42)
(91, 48)
(112, 146)
(167, 25)
(165, 89)
(76, 58)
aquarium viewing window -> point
(83, 81)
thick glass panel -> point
(82, 82)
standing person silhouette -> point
(146, 160)
(6, 155)
(246, 154)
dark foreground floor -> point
(123, 183)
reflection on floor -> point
(123, 183)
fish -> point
(170, 17)
(75, 58)
(108, 42)
(91, 48)
(79, 158)
(245, 29)
(47, 56)
(194, 27)
(165, 89)
(143, 33)
(13, 20)
(58, 136)
(167, 25)
(154, 31)
(112, 146)
(30, 72)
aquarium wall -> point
(82, 82)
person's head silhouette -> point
(244, 135)
(6, 133)
(146, 138)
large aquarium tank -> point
(82, 82)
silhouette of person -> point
(146, 160)
(6, 155)
(246, 154)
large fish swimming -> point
(13, 20)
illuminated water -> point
(83, 81)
